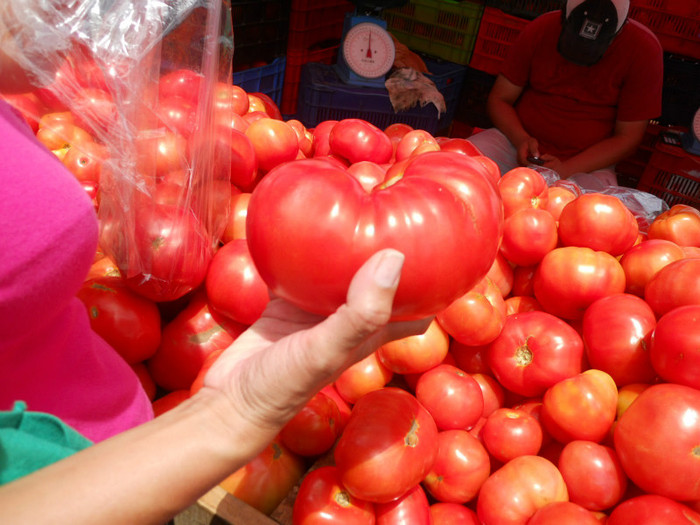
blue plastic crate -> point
(324, 96)
(267, 79)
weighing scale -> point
(691, 139)
(367, 50)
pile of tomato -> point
(559, 381)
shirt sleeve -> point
(518, 61)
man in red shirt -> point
(576, 92)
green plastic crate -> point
(440, 28)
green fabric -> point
(32, 440)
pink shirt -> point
(568, 107)
(49, 356)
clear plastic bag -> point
(121, 70)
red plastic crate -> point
(676, 23)
(672, 174)
(296, 58)
(497, 32)
(314, 21)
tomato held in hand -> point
(311, 225)
(387, 447)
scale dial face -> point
(695, 125)
(368, 50)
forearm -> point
(601, 155)
(145, 475)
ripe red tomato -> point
(569, 279)
(84, 161)
(452, 397)
(323, 216)
(477, 317)
(415, 142)
(412, 508)
(269, 105)
(58, 131)
(522, 188)
(169, 401)
(680, 224)
(501, 273)
(674, 285)
(238, 211)
(416, 353)
(452, 514)
(365, 376)
(130, 323)
(183, 83)
(528, 235)
(314, 429)
(523, 281)
(178, 115)
(616, 336)
(652, 509)
(600, 222)
(387, 447)
(557, 198)
(563, 512)
(657, 440)
(459, 145)
(461, 467)
(321, 137)
(94, 110)
(322, 497)
(491, 391)
(230, 98)
(513, 493)
(266, 479)
(534, 351)
(369, 174)
(234, 287)
(274, 142)
(675, 346)
(593, 474)
(511, 432)
(357, 140)
(471, 359)
(580, 407)
(186, 342)
(516, 304)
(643, 260)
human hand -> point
(282, 360)
(554, 164)
(526, 149)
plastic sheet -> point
(114, 66)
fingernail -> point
(388, 269)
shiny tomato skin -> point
(674, 285)
(492, 392)
(326, 219)
(657, 440)
(130, 323)
(234, 286)
(452, 514)
(322, 498)
(583, 406)
(680, 224)
(534, 351)
(412, 508)
(416, 353)
(617, 332)
(501, 273)
(178, 115)
(321, 135)
(593, 474)
(414, 142)
(652, 509)
(363, 377)
(85, 161)
(563, 513)
(462, 465)
(599, 222)
(459, 145)
(675, 346)
(387, 447)
(314, 429)
(357, 140)
(643, 260)
(274, 142)
(510, 432)
(471, 359)
(557, 198)
(452, 397)
(516, 304)
(513, 493)
(522, 188)
(528, 235)
(266, 480)
(569, 279)
(183, 83)
(237, 213)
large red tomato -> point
(513, 493)
(599, 222)
(311, 225)
(274, 142)
(357, 140)
(676, 284)
(412, 508)
(322, 497)
(528, 235)
(461, 467)
(321, 135)
(234, 287)
(522, 188)
(266, 479)
(387, 447)
(129, 322)
(616, 336)
(569, 279)
(580, 407)
(652, 509)
(415, 142)
(593, 474)
(680, 224)
(657, 440)
(675, 346)
(642, 261)
(534, 351)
